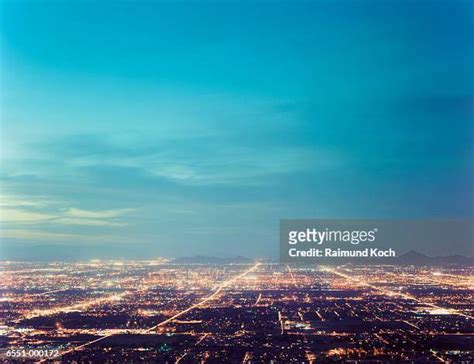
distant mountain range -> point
(416, 258)
(212, 260)
(410, 258)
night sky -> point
(170, 128)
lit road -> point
(207, 299)
(214, 295)
(390, 293)
(81, 306)
(188, 351)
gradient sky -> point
(148, 128)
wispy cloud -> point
(16, 201)
(30, 212)
(23, 216)
(42, 235)
(102, 214)
(90, 222)
(214, 160)
(36, 235)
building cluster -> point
(126, 311)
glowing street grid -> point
(156, 311)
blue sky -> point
(147, 128)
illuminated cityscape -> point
(236, 182)
(160, 311)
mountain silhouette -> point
(199, 259)
(414, 257)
